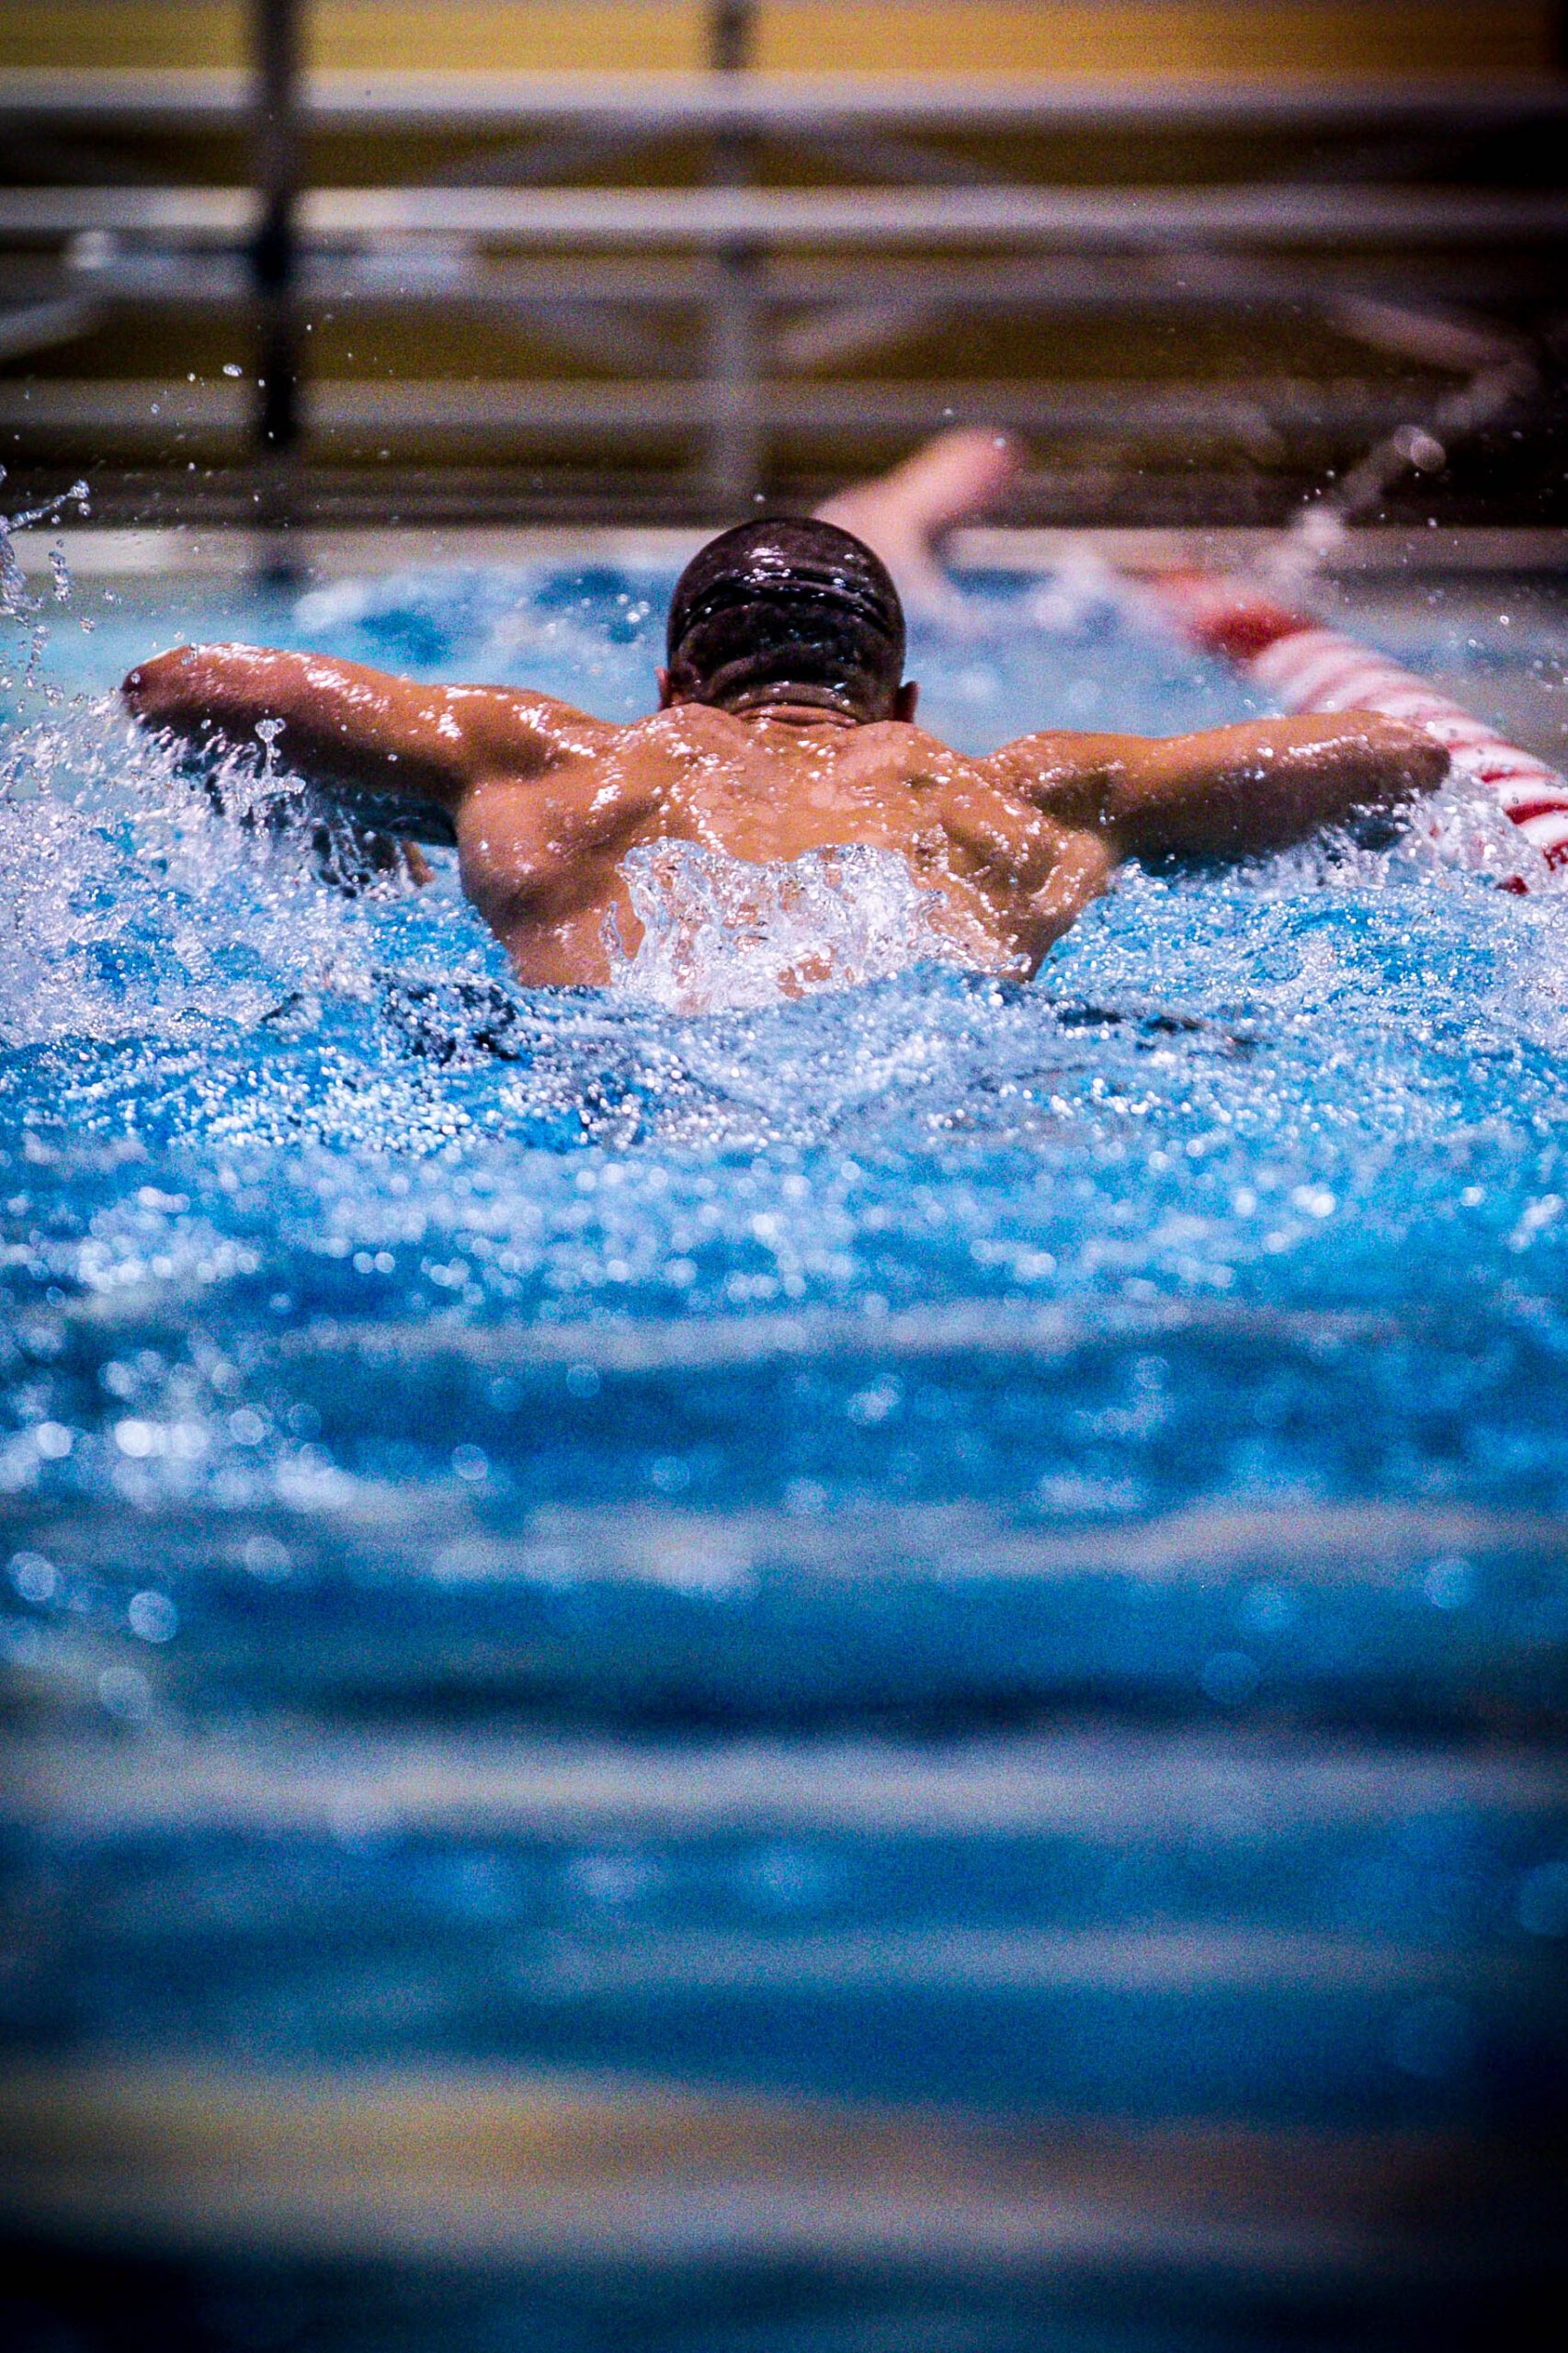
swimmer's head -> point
(788, 611)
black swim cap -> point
(787, 609)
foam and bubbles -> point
(719, 932)
(142, 904)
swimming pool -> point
(944, 1559)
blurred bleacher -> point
(641, 259)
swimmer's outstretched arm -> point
(358, 732)
(1230, 792)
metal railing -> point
(786, 279)
(657, 105)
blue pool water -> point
(954, 1545)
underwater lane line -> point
(417, 1784)
(441, 1540)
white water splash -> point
(719, 932)
(16, 600)
(139, 903)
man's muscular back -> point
(542, 861)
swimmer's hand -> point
(399, 756)
(1230, 792)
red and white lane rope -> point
(1301, 666)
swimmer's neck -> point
(766, 703)
(796, 714)
(793, 706)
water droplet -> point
(1449, 1583)
(152, 1617)
(1543, 1900)
(35, 1578)
(1230, 1678)
(125, 1692)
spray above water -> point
(721, 933)
(16, 600)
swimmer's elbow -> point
(159, 691)
(1409, 761)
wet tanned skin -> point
(544, 802)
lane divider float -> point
(1301, 665)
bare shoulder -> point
(516, 732)
(1058, 752)
(1062, 770)
(903, 748)
(697, 728)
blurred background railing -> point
(648, 261)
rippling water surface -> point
(300, 1190)
(397, 1362)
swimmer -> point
(784, 724)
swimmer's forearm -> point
(1241, 792)
(336, 723)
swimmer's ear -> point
(904, 702)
